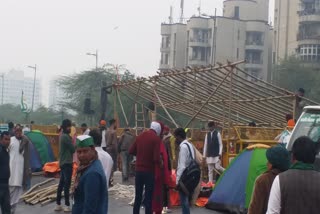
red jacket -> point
(147, 150)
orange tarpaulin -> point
(53, 167)
(201, 202)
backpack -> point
(190, 177)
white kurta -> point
(16, 163)
(106, 161)
(211, 160)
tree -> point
(88, 84)
(293, 73)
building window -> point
(236, 12)
(255, 38)
(309, 53)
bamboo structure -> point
(222, 93)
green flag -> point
(24, 105)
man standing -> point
(5, 173)
(183, 162)
(297, 190)
(90, 187)
(212, 150)
(125, 142)
(300, 103)
(84, 128)
(112, 143)
(278, 161)
(103, 156)
(66, 150)
(102, 127)
(147, 150)
(19, 166)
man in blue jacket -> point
(90, 194)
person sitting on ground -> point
(278, 161)
(297, 189)
(90, 186)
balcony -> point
(199, 42)
(164, 67)
(165, 49)
(254, 45)
(310, 15)
(196, 61)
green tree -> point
(293, 73)
(88, 84)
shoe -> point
(67, 209)
(58, 208)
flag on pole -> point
(24, 105)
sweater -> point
(300, 191)
(66, 149)
(4, 165)
(261, 192)
(91, 195)
(147, 150)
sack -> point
(198, 155)
(190, 177)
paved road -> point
(115, 206)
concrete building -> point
(241, 33)
(14, 83)
(297, 30)
(56, 95)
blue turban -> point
(279, 157)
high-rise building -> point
(297, 30)
(241, 33)
(14, 83)
(56, 95)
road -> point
(115, 206)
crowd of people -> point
(155, 152)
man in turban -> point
(278, 161)
(90, 186)
(147, 150)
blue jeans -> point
(146, 180)
(184, 200)
(64, 183)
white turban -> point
(156, 127)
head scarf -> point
(279, 157)
(166, 128)
(291, 123)
(103, 123)
(156, 127)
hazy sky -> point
(56, 35)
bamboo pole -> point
(213, 93)
(122, 109)
(164, 108)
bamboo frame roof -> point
(221, 93)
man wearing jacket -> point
(5, 173)
(90, 186)
(147, 150)
(297, 190)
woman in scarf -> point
(162, 176)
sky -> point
(56, 35)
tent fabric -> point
(42, 146)
(35, 162)
(233, 191)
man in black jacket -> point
(5, 173)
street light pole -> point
(34, 84)
(95, 55)
(2, 76)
